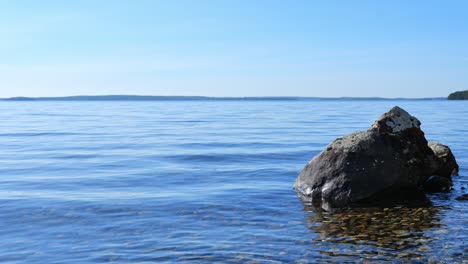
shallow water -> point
(207, 181)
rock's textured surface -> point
(447, 165)
(393, 154)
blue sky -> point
(233, 48)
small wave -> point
(242, 145)
(41, 134)
(241, 157)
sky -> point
(233, 48)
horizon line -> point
(117, 97)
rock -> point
(437, 184)
(463, 197)
(448, 165)
(391, 155)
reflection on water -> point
(393, 228)
(383, 234)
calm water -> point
(208, 181)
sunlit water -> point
(207, 181)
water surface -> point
(207, 181)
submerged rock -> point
(463, 197)
(392, 155)
(437, 184)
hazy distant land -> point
(197, 98)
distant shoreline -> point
(201, 98)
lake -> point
(207, 182)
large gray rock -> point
(392, 155)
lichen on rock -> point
(395, 121)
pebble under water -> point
(207, 182)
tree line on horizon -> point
(461, 95)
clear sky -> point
(233, 48)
